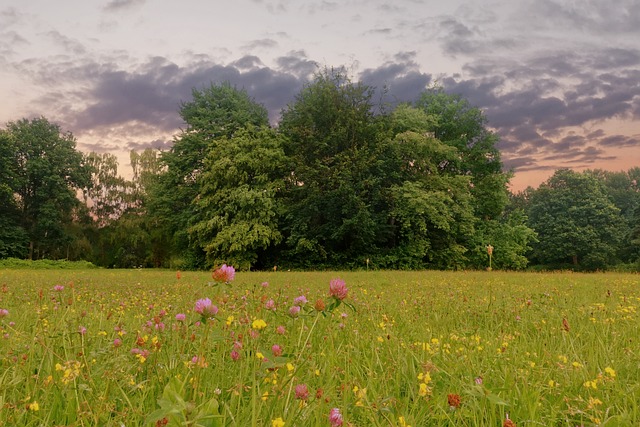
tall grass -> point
(104, 347)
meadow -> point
(163, 348)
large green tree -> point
(332, 140)
(45, 175)
(577, 224)
(215, 112)
(237, 210)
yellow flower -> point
(34, 406)
(609, 370)
(402, 422)
(265, 395)
(278, 422)
(424, 390)
(259, 324)
(290, 367)
(260, 355)
(229, 320)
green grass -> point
(547, 349)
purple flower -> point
(235, 355)
(280, 330)
(276, 350)
(117, 342)
(82, 330)
(58, 288)
(181, 317)
(294, 311)
(270, 305)
(335, 417)
(338, 289)
(205, 308)
(224, 274)
(265, 284)
(302, 392)
(4, 312)
(300, 301)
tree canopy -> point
(340, 182)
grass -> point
(104, 347)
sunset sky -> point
(559, 80)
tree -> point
(465, 127)
(576, 222)
(14, 240)
(429, 208)
(46, 174)
(218, 111)
(331, 141)
(237, 210)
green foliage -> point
(218, 111)
(575, 220)
(45, 264)
(38, 190)
(237, 211)
(333, 190)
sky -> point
(558, 80)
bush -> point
(45, 264)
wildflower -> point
(338, 289)
(609, 370)
(260, 355)
(235, 355)
(4, 312)
(294, 311)
(478, 380)
(259, 324)
(178, 274)
(224, 274)
(278, 422)
(335, 417)
(264, 284)
(453, 400)
(117, 342)
(300, 301)
(181, 317)
(82, 330)
(205, 308)
(33, 406)
(565, 324)
(270, 305)
(402, 422)
(281, 330)
(302, 392)
(424, 390)
(276, 350)
(58, 288)
(319, 305)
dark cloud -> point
(118, 5)
(396, 82)
(297, 63)
(620, 141)
(248, 62)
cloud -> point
(260, 44)
(69, 45)
(297, 63)
(118, 5)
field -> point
(144, 347)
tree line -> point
(340, 182)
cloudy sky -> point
(559, 80)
